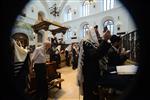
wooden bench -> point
(54, 77)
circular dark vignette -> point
(10, 10)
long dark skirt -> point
(41, 82)
(89, 92)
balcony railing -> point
(130, 41)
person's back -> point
(38, 62)
(74, 58)
(114, 55)
(20, 65)
(91, 51)
(38, 55)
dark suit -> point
(74, 59)
(114, 80)
(67, 57)
(91, 72)
(115, 59)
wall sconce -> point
(74, 11)
(118, 24)
(94, 3)
(32, 9)
(94, 6)
(74, 33)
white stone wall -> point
(97, 16)
(36, 6)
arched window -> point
(85, 28)
(110, 25)
(85, 8)
(108, 4)
(69, 14)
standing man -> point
(115, 56)
(91, 51)
(74, 56)
(39, 62)
(67, 55)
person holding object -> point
(91, 51)
(116, 56)
(39, 62)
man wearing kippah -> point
(39, 62)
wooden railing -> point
(130, 41)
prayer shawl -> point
(20, 53)
(90, 37)
(21, 64)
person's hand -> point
(126, 53)
(107, 35)
(122, 51)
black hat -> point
(115, 38)
(96, 26)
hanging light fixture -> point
(54, 10)
(118, 24)
(90, 1)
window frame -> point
(108, 4)
(85, 28)
(110, 25)
(85, 8)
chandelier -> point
(54, 10)
(90, 1)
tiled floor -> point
(70, 90)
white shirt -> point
(39, 55)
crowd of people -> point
(98, 57)
(94, 57)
